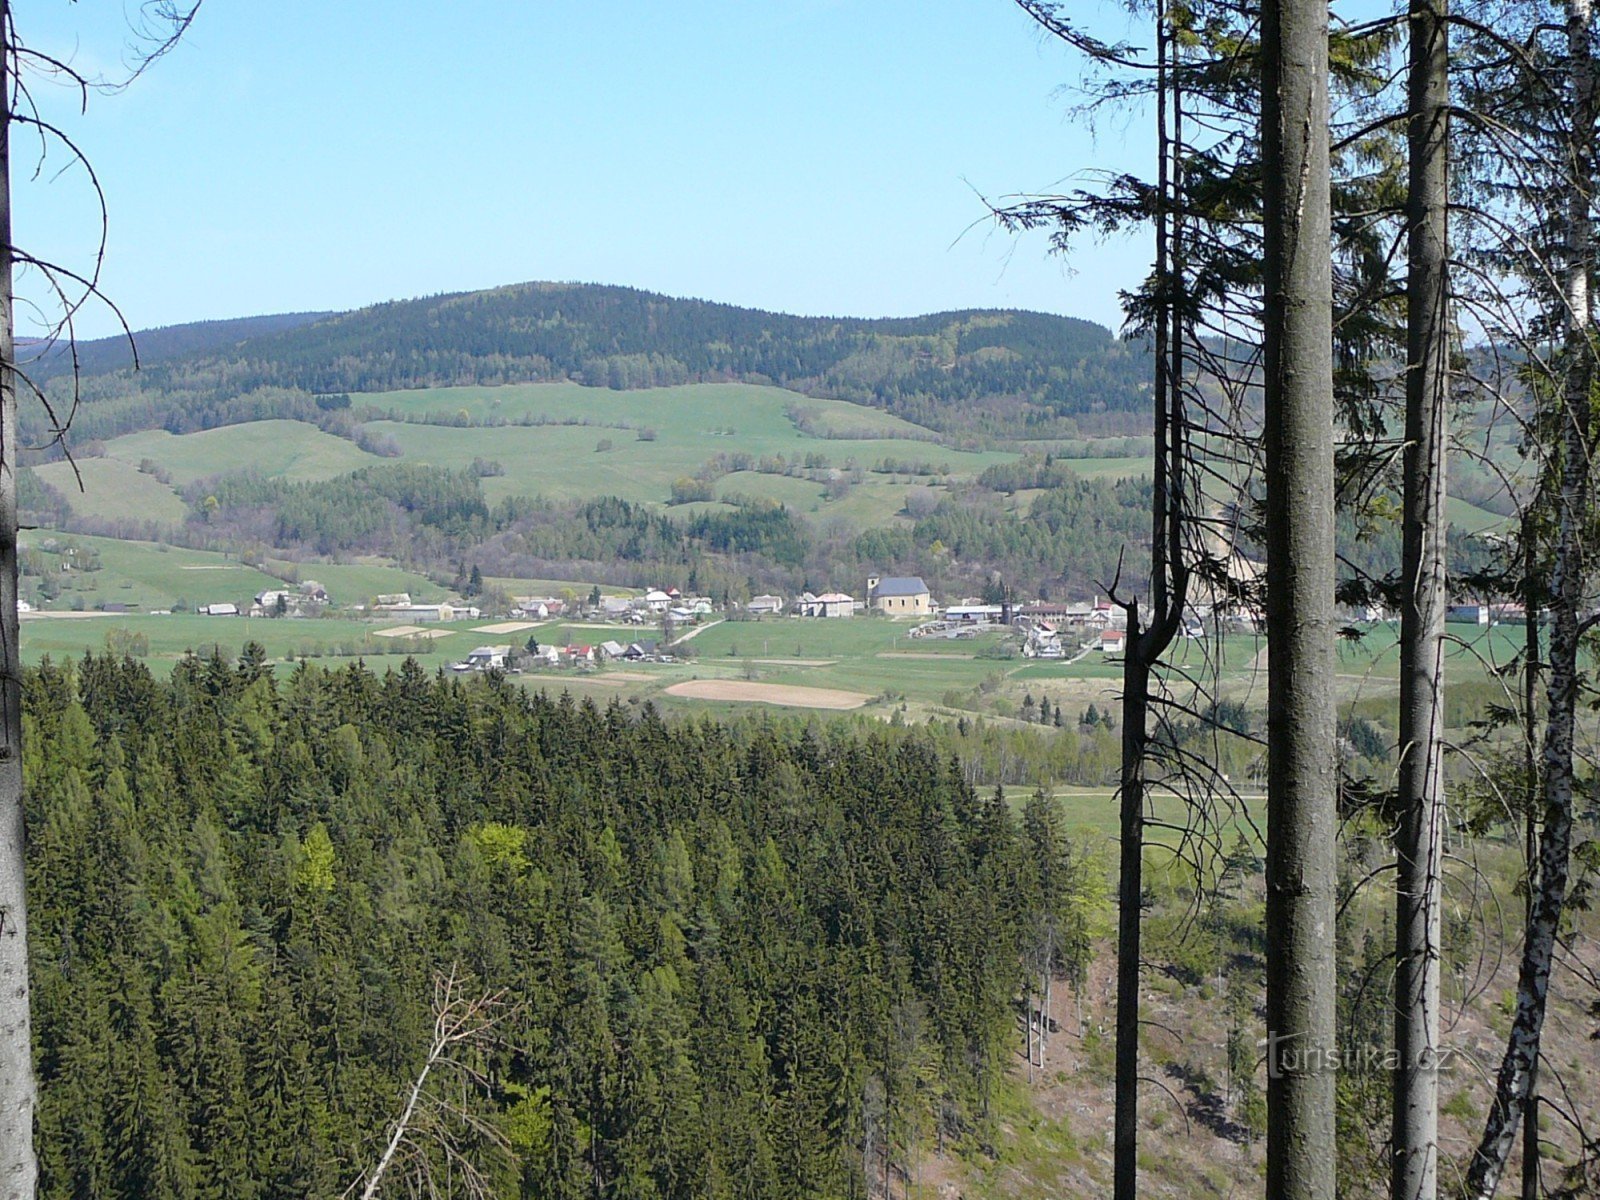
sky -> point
(821, 157)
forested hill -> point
(726, 957)
(1009, 373)
(99, 356)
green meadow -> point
(290, 449)
(113, 489)
(562, 441)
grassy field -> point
(291, 449)
(145, 575)
(726, 410)
(687, 427)
(113, 489)
(565, 462)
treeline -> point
(1007, 374)
(760, 959)
(1067, 541)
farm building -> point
(829, 604)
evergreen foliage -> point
(740, 956)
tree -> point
(18, 1165)
(425, 1140)
(1553, 180)
(1418, 890)
(1302, 783)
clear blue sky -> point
(809, 156)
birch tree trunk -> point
(18, 1167)
(1298, 441)
(1414, 1174)
(1569, 601)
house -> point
(392, 600)
(1043, 641)
(580, 654)
(110, 607)
(545, 656)
(275, 601)
(615, 606)
(657, 601)
(829, 604)
(610, 650)
(640, 651)
(219, 610)
(530, 606)
(1467, 614)
(314, 593)
(1074, 614)
(1112, 640)
(485, 658)
(899, 596)
(763, 606)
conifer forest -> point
(434, 762)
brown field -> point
(768, 693)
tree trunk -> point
(1532, 602)
(1568, 603)
(18, 1168)
(1415, 1166)
(1130, 894)
(1298, 439)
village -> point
(1038, 629)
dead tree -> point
(433, 1136)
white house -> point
(657, 601)
(486, 658)
(1112, 641)
(762, 606)
(829, 604)
(219, 610)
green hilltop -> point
(974, 372)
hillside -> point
(1007, 374)
(98, 356)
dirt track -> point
(768, 693)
